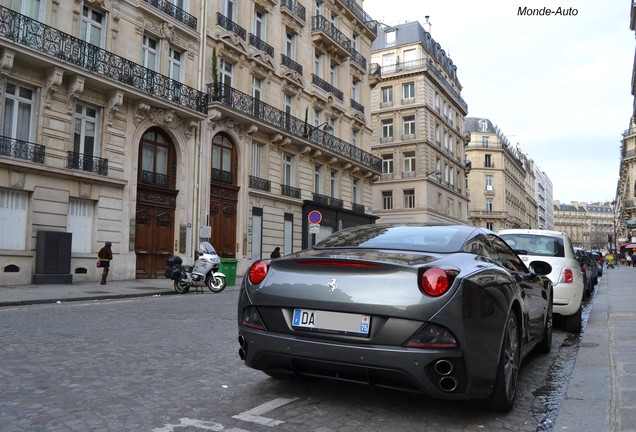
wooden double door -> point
(154, 240)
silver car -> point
(449, 311)
(555, 248)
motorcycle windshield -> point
(206, 247)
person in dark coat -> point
(105, 256)
(275, 254)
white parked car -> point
(555, 248)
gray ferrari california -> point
(449, 311)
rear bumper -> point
(438, 373)
(567, 298)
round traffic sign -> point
(315, 217)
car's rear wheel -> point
(503, 395)
(573, 322)
(546, 343)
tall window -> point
(408, 90)
(409, 56)
(318, 65)
(258, 150)
(450, 207)
(92, 26)
(318, 179)
(13, 219)
(222, 166)
(387, 200)
(290, 45)
(409, 198)
(489, 205)
(85, 138)
(80, 223)
(149, 52)
(388, 63)
(333, 74)
(289, 170)
(488, 161)
(489, 225)
(390, 37)
(259, 24)
(489, 182)
(230, 9)
(257, 88)
(437, 102)
(287, 105)
(175, 69)
(387, 129)
(155, 158)
(19, 109)
(225, 74)
(387, 94)
(409, 161)
(334, 184)
(355, 192)
(438, 135)
(409, 125)
(484, 141)
(354, 137)
(355, 90)
(387, 164)
(30, 8)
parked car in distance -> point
(589, 266)
(449, 311)
(555, 248)
(598, 256)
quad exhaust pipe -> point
(444, 368)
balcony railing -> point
(153, 178)
(327, 200)
(316, 80)
(222, 176)
(358, 59)
(290, 191)
(260, 184)
(230, 25)
(322, 24)
(19, 149)
(175, 12)
(87, 163)
(289, 63)
(274, 117)
(359, 13)
(296, 8)
(357, 106)
(358, 208)
(48, 40)
(261, 45)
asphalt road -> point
(171, 363)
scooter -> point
(204, 272)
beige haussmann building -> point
(157, 125)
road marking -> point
(200, 424)
(255, 414)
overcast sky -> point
(559, 86)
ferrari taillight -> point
(257, 272)
(436, 281)
(433, 336)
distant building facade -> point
(587, 224)
(417, 118)
(501, 181)
(545, 207)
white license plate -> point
(331, 321)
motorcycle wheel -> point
(216, 284)
(181, 287)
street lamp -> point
(613, 242)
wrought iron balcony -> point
(358, 59)
(316, 80)
(261, 45)
(322, 24)
(260, 184)
(87, 163)
(48, 40)
(290, 191)
(276, 118)
(295, 8)
(230, 25)
(289, 63)
(357, 106)
(153, 178)
(358, 208)
(175, 12)
(222, 176)
(359, 13)
(19, 149)
(327, 200)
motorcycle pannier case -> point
(174, 261)
(173, 273)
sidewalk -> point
(601, 394)
(82, 291)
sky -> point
(559, 86)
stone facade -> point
(587, 224)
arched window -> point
(156, 159)
(222, 166)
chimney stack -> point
(427, 24)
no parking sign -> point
(315, 217)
